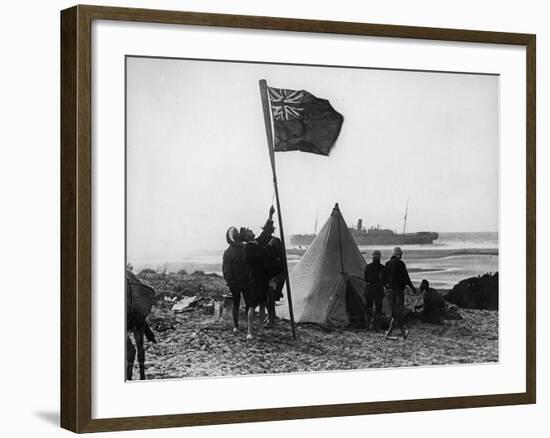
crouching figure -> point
(435, 307)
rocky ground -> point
(195, 343)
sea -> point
(451, 258)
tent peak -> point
(330, 270)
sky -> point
(197, 157)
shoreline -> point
(442, 267)
(295, 254)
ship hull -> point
(425, 238)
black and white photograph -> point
(287, 218)
(275, 219)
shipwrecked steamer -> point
(376, 236)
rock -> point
(476, 293)
(185, 303)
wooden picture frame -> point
(76, 217)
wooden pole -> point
(269, 134)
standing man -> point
(396, 278)
(256, 256)
(236, 272)
(374, 291)
(276, 273)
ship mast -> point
(405, 218)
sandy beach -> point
(194, 343)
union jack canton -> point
(286, 104)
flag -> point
(303, 122)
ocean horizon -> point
(451, 258)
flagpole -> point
(269, 134)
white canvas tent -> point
(327, 284)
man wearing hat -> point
(396, 278)
(374, 291)
(256, 255)
(236, 272)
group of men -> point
(393, 277)
(254, 268)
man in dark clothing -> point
(374, 291)
(435, 307)
(396, 278)
(276, 274)
(256, 255)
(236, 273)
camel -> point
(140, 297)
